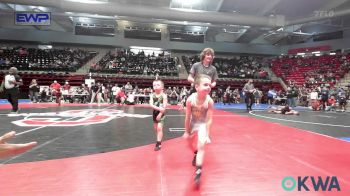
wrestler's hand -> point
(13, 149)
(186, 135)
(207, 140)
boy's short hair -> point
(200, 77)
(161, 82)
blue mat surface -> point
(4, 101)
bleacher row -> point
(237, 67)
(66, 60)
(123, 67)
(76, 80)
(300, 70)
(127, 62)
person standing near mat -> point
(158, 102)
(12, 81)
(249, 90)
(199, 112)
(204, 67)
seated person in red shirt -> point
(54, 87)
(56, 91)
(121, 96)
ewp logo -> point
(32, 18)
(318, 184)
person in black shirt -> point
(94, 91)
(249, 90)
(292, 94)
(12, 83)
(324, 97)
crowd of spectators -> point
(311, 70)
(305, 76)
(128, 62)
(240, 67)
(34, 59)
(312, 81)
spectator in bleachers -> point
(313, 70)
(46, 60)
(237, 67)
(137, 64)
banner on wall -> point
(32, 18)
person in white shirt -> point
(314, 99)
(115, 91)
(130, 100)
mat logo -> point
(32, 18)
(71, 117)
(329, 183)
